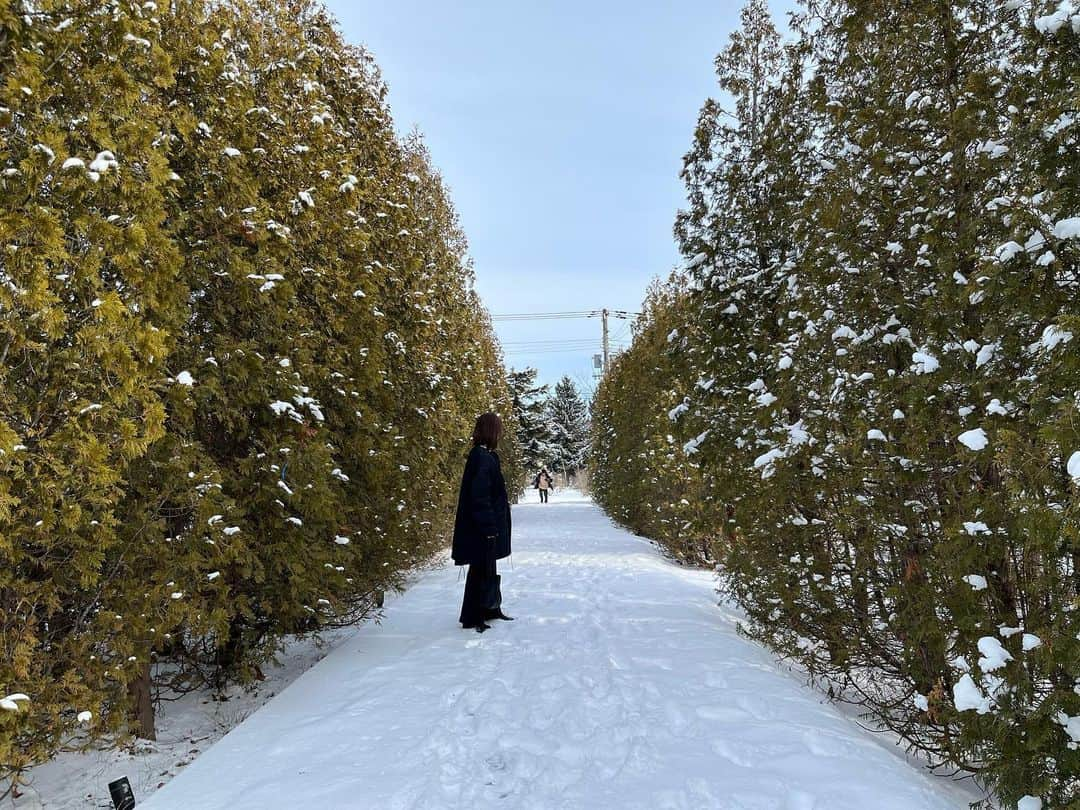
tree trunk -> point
(227, 655)
(142, 704)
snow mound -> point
(967, 696)
(994, 654)
(973, 439)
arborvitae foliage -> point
(87, 270)
(568, 417)
(240, 357)
(879, 340)
(641, 474)
(534, 435)
(728, 184)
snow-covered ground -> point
(621, 685)
(186, 727)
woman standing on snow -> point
(482, 526)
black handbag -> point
(493, 593)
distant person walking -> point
(482, 527)
(543, 483)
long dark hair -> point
(488, 431)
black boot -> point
(479, 627)
(498, 614)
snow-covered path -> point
(621, 685)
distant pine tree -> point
(568, 418)
(534, 434)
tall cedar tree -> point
(88, 272)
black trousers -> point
(543, 496)
(477, 586)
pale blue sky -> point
(560, 128)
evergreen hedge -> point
(240, 353)
(869, 376)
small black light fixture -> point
(122, 796)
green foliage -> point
(240, 354)
(85, 274)
(568, 420)
(883, 264)
(643, 476)
(534, 433)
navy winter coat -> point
(483, 511)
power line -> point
(576, 346)
(590, 348)
(550, 339)
(592, 344)
(544, 316)
(551, 316)
(525, 344)
(551, 344)
(530, 352)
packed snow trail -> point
(622, 684)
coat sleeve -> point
(481, 504)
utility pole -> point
(603, 318)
